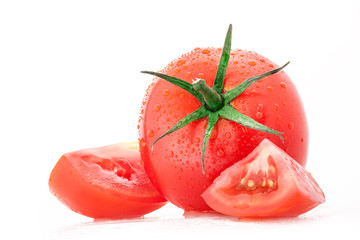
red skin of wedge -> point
(297, 191)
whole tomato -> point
(184, 163)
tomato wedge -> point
(267, 183)
(106, 182)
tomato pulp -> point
(106, 182)
(174, 163)
(267, 183)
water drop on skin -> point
(150, 133)
(142, 142)
(252, 63)
(180, 62)
(166, 92)
(259, 115)
(157, 108)
(228, 135)
(220, 153)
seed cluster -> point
(262, 180)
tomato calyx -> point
(213, 100)
(215, 103)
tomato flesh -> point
(106, 182)
(267, 183)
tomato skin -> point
(174, 164)
(296, 191)
(89, 189)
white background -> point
(70, 79)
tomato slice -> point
(267, 183)
(105, 182)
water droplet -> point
(243, 129)
(228, 135)
(142, 142)
(276, 106)
(150, 133)
(166, 92)
(214, 133)
(220, 153)
(283, 85)
(205, 51)
(253, 138)
(252, 63)
(259, 115)
(180, 62)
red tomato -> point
(105, 182)
(267, 183)
(174, 163)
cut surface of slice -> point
(105, 182)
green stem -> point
(213, 100)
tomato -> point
(174, 163)
(106, 182)
(267, 183)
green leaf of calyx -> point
(178, 82)
(197, 114)
(212, 119)
(230, 113)
(218, 85)
(233, 93)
